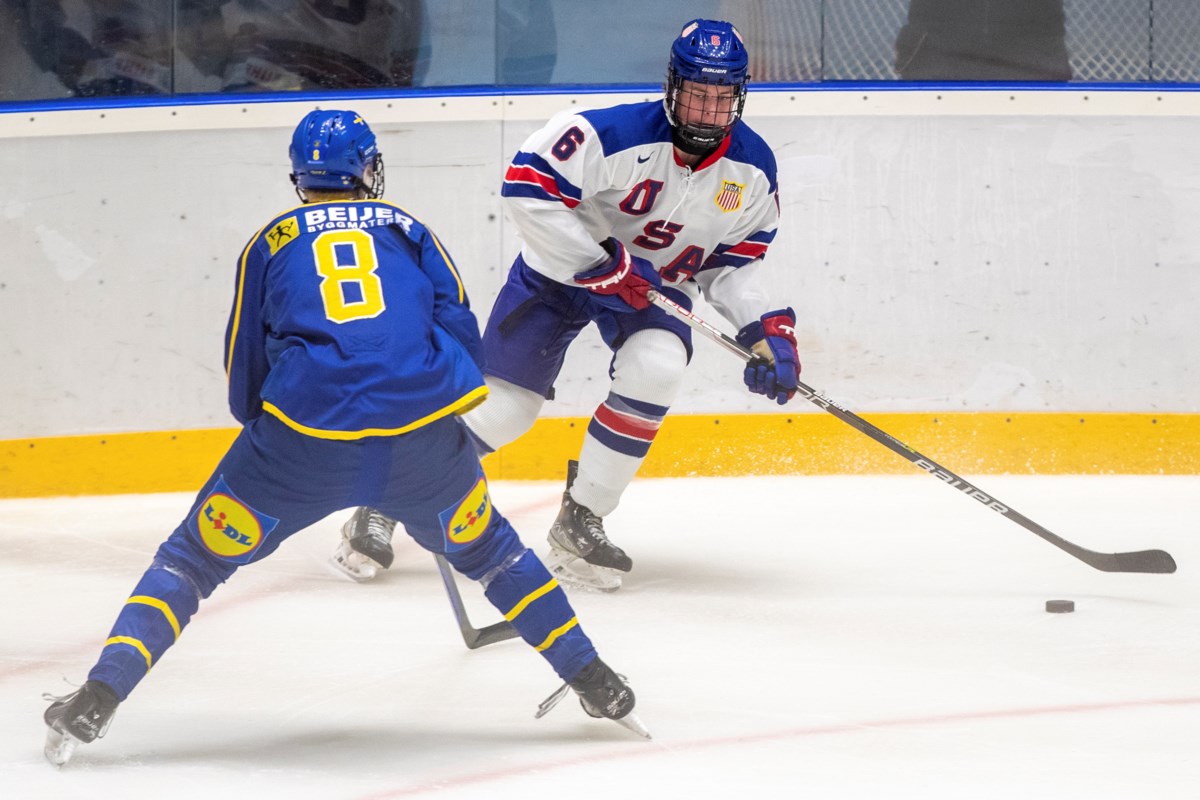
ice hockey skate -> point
(580, 553)
(81, 717)
(603, 694)
(366, 545)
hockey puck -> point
(1060, 606)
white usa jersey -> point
(588, 175)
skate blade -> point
(551, 701)
(635, 724)
(570, 570)
(353, 565)
(59, 747)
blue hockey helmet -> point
(706, 52)
(333, 151)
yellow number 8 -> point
(346, 260)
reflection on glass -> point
(787, 38)
(296, 45)
(97, 48)
(983, 40)
(526, 41)
(100, 48)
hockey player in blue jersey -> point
(350, 350)
(678, 195)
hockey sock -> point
(531, 599)
(154, 615)
(618, 438)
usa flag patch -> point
(730, 196)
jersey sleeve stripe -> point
(530, 170)
(539, 164)
(237, 306)
(449, 263)
(535, 192)
(742, 253)
(748, 249)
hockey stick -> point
(1156, 561)
(472, 637)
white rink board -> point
(974, 251)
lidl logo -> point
(472, 516)
(227, 526)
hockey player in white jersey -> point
(678, 196)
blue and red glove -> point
(621, 282)
(777, 331)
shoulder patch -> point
(730, 196)
(282, 232)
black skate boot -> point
(579, 534)
(82, 716)
(603, 694)
(366, 545)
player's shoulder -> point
(629, 125)
(282, 217)
(282, 229)
(747, 147)
(399, 215)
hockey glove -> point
(776, 366)
(621, 282)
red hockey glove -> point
(621, 282)
(774, 376)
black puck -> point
(1060, 606)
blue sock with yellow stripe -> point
(154, 615)
(530, 598)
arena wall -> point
(1006, 277)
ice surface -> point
(818, 637)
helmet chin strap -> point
(685, 139)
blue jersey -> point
(350, 320)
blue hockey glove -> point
(776, 366)
(621, 282)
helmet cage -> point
(373, 190)
(710, 53)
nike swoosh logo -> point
(643, 159)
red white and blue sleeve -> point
(555, 170)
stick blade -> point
(1158, 562)
(473, 637)
(490, 634)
